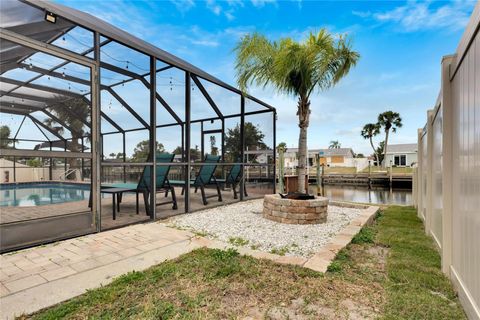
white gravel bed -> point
(242, 224)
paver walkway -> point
(36, 278)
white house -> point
(340, 157)
(401, 155)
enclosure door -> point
(55, 212)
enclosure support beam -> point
(202, 142)
(153, 135)
(148, 85)
(49, 102)
(46, 127)
(275, 153)
(187, 140)
(96, 143)
(55, 118)
(207, 96)
(41, 88)
(19, 127)
(242, 144)
(127, 106)
(113, 123)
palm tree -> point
(334, 144)
(389, 120)
(73, 113)
(369, 131)
(297, 69)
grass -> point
(390, 271)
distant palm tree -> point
(74, 113)
(295, 68)
(369, 131)
(334, 144)
(389, 120)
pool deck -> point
(127, 214)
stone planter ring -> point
(295, 211)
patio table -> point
(117, 198)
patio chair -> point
(233, 178)
(204, 178)
(144, 185)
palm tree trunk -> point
(72, 162)
(303, 117)
(385, 149)
(374, 151)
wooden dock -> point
(377, 179)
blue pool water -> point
(38, 194)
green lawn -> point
(390, 271)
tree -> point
(297, 69)
(213, 148)
(379, 152)
(253, 141)
(369, 131)
(142, 150)
(334, 144)
(72, 113)
(359, 155)
(282, 145)
(34, 162)
(389, 120)
(5, 140)
(194, 153)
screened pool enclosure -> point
(100, 129)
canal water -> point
(377, 195)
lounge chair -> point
(144, 185)
(204, 178)
(234, 177)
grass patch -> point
(238, 241)
(280, 251)
(366, 235)
(391, 271)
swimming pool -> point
(39, 194)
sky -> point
(401, 45)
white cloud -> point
(214, 7)
(415, 16)
(229, 15)
(183, 5)
(262, 3)
(206, 43)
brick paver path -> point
(30, 279)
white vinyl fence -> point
(447, 180)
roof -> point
(402, 148)
(326, 152)
(93, 23)
(26, 18)
(336, 152)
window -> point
(400, 160)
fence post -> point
(429, 171)
(319, 183)
(281, 169)
(420, 168)
(447, 166)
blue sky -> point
(401, 45)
